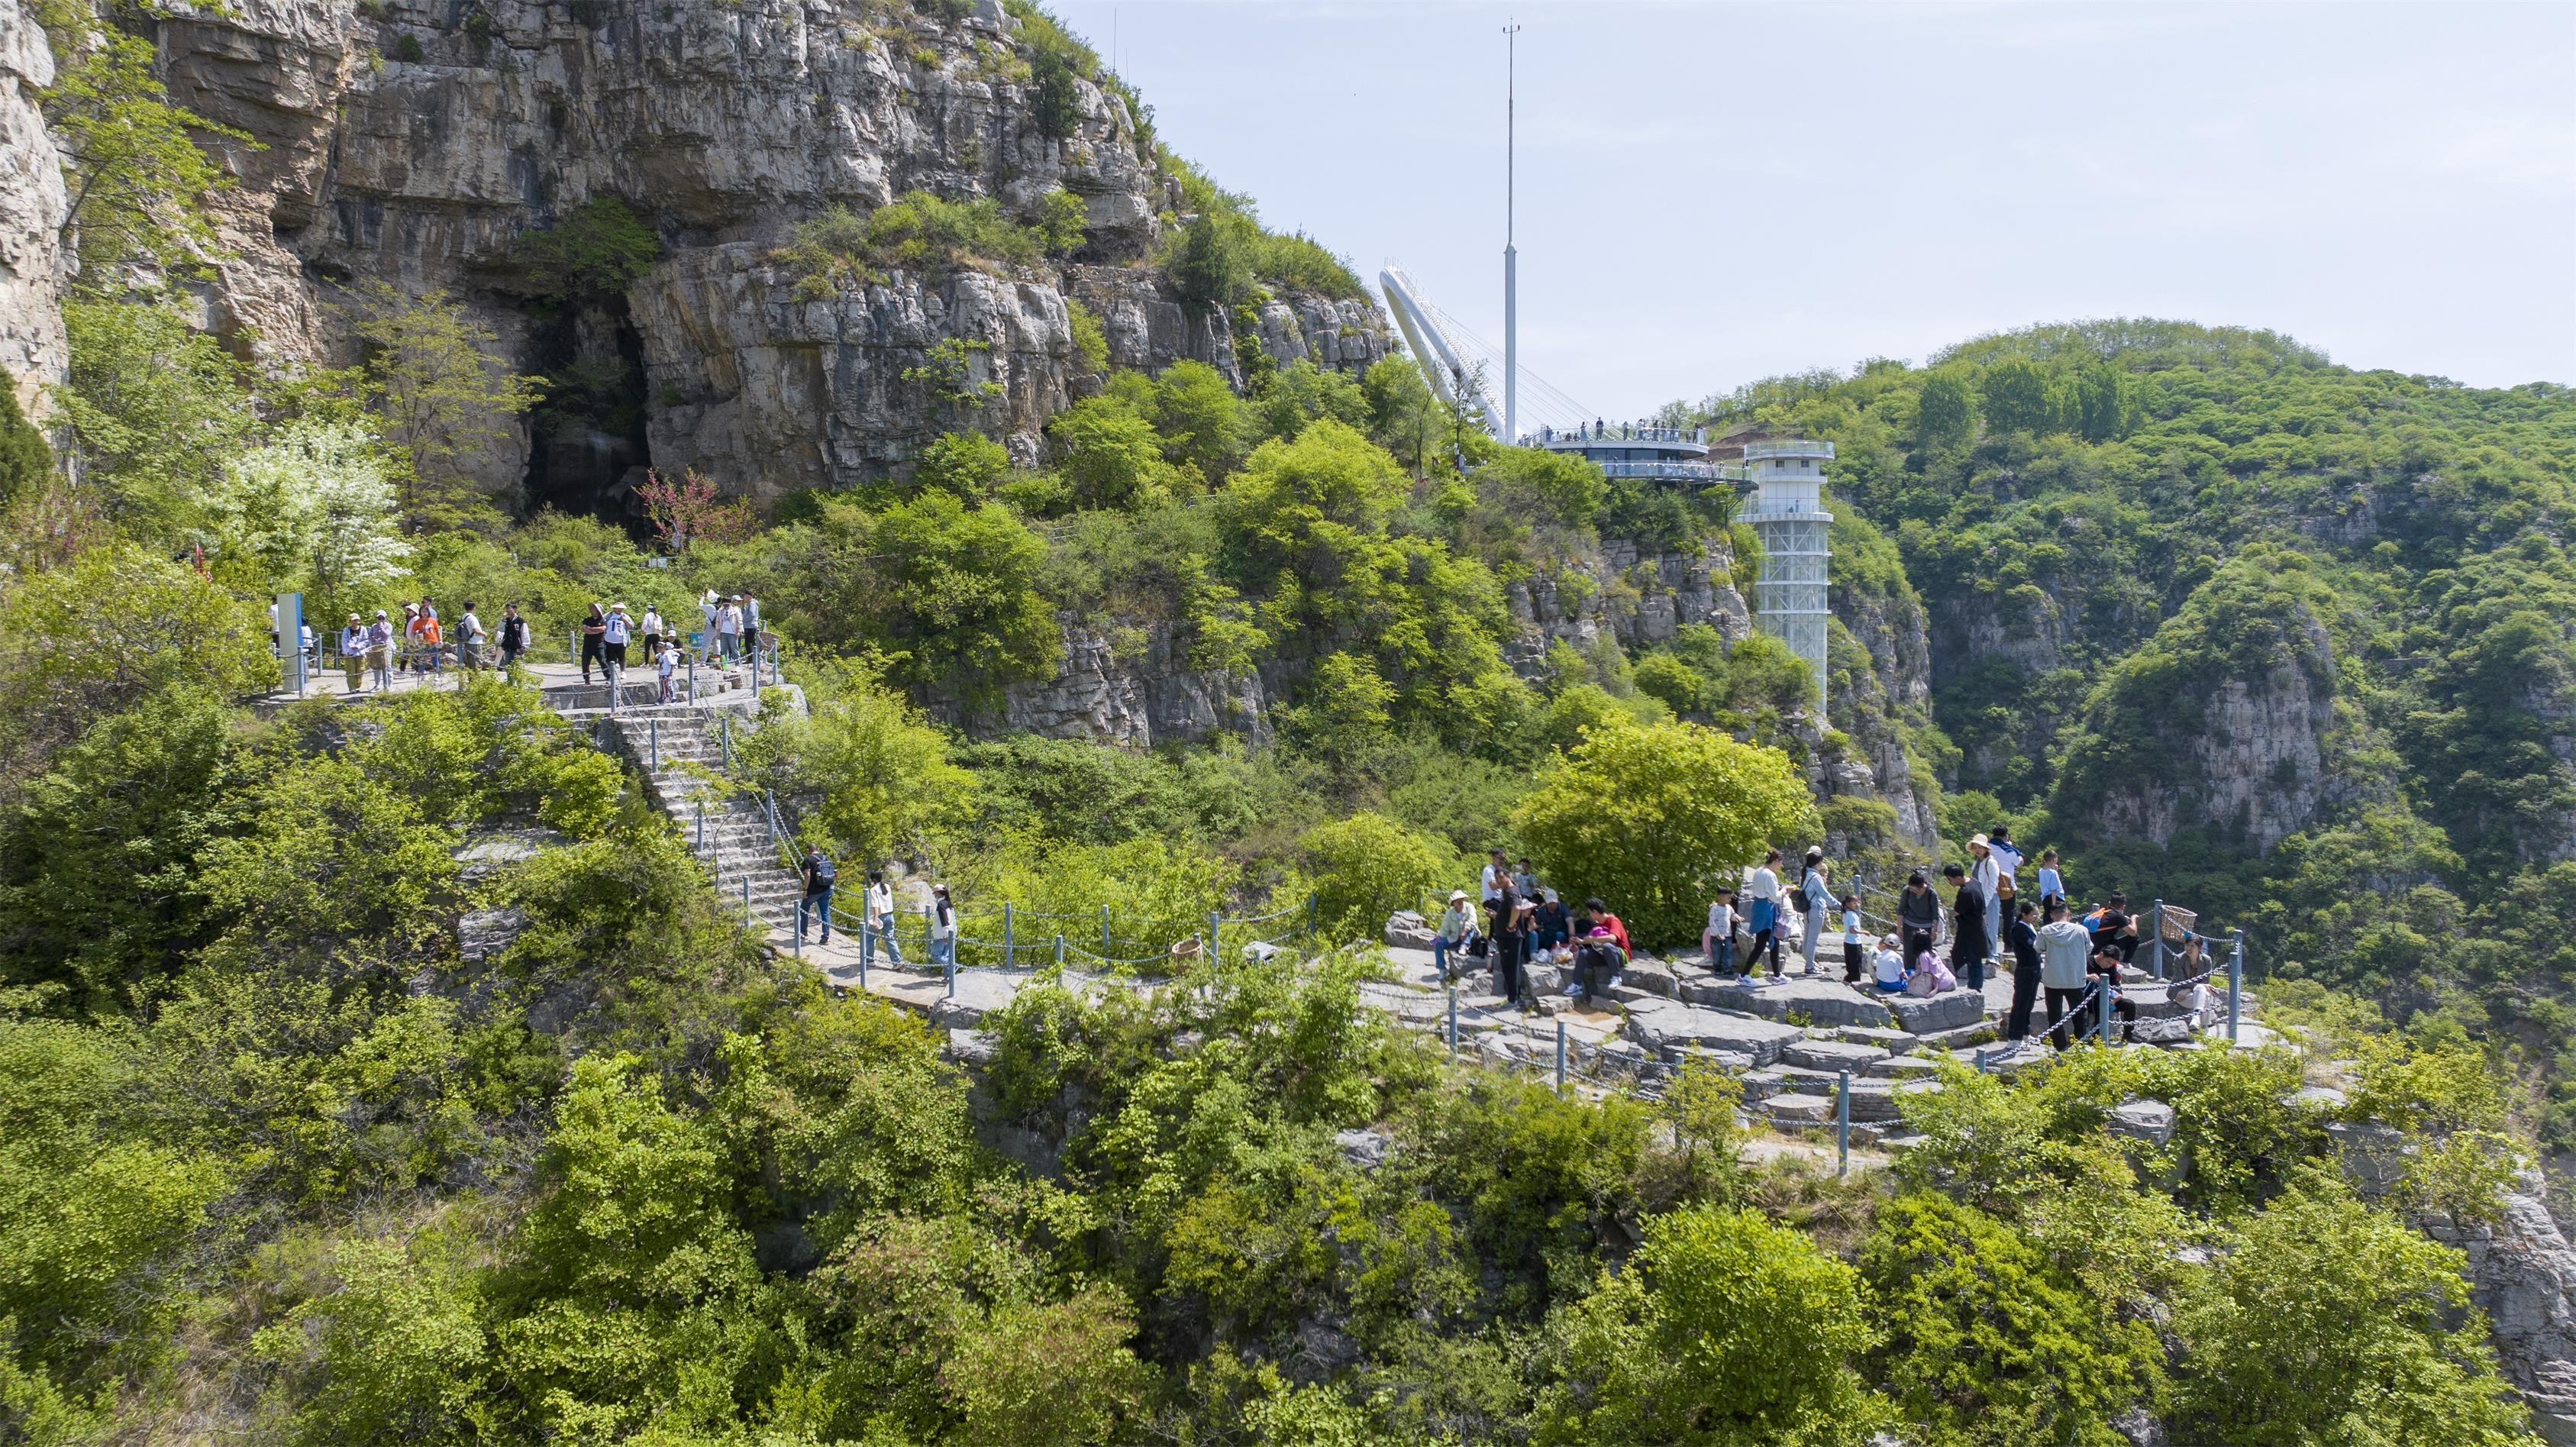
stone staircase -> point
(679, 750)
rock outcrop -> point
(2522, 1274)
(417, 145)
(32, 203)
(1635, 597)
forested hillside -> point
(2290, 643)
(387, 1069)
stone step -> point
(1831, 1055)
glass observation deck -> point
(1629, 449)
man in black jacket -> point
(1968, 943)
(1918, 909)
(817, 904)
(2022, 938)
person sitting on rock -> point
(1599, 964)
(1930, 976)
(1888, 969)
(1457, 927)
(1600, 914)
(2105, 975)
(1552, 926)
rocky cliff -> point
(418, 144)
(31, 212)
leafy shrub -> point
(600, 249)
(1367, 867)
(916, 231)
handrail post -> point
(746, 896)
(1842, 1126)
(724, 723)
(702, 825)
(1006, 934)
(653, 731)
(1453, 1022)
(1216, 922)
(951, 962)
(2158, 941)
(2235, 983)
(865, 944)
(1560, 1055)
(1104, 932)
(1310, 922)
(1059, 950)
(693, 675)
(2107, 982)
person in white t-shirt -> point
(1717, 942)
(1762, 892)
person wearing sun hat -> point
(1457, 927)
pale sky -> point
(1712, 193)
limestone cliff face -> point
(31, 213)
(1636, 597)
(415, 143)
(2523, 1275)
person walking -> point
(666, 665)
(615, 631)
(2021, 938)
(817, 903)
(594, 637)
(380, 652)
(1855, 947)
(353, 651)
(879, 903)
(1512, 950)
(1918, 914)
(943, 927)
(1717, 942)
(1815, 901)
(1763, 916)
(2065, 958)
(2008, 855)
(470, 640)
(707, 605)
(432, 641)
(652, 629)
(1457, 926)
(1968, 913)
(1985, 872)
(514, 635)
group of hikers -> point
(814, 910)
(373, 654)
(2057, 958)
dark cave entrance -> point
(589, 450)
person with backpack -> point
(817, 903)
(879, 903)
(1815, 901)
(2021, 937)
(1763, 916)
(514, 635)
(470, 640)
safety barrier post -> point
(801, 905)
(693, 676)
(725, 725)
(952, 969)
(1006, 934)
(653, 731)
(2235, 983)
(1059, 951)
(746, 896)
(1842, 1126)
(702, 826)
(1981, 1060)
(1104, 932)
(1215, 923)
(1310, 921)
(2158, 940)
(2106, 1007)
(1453, 1022)
(1560, 1057)
(865, 945)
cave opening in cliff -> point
(589, 450)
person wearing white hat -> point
(1983, 872)
(1457, 926)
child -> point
(2050, 886)
(1718, 940)
(1853, 947)
(1889, 967)
(1931, 975)
(666, 659)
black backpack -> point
(818, 871)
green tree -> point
(1653, 817)
(1055, 105)
(2102, 402)
(311, 509)
(1724, 1329)
(445, 399)
(1982, 1341)
(1211, 267)
(25, 461)
(955, 600)
(1367, 867)
(882, 773)
(1200, 418)
(2014, 395)
(1945, 415)
(2329, 1323)
(1110, 455)
(132, 168)
(155, 406)
(1532, 481)
(968, 464)
(599, 250)
(1063, 222)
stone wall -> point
(32, 202)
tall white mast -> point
(1511, 254)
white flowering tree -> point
(313, 508)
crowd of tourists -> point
(421, 648)
(814, 911)
(2057, 957)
